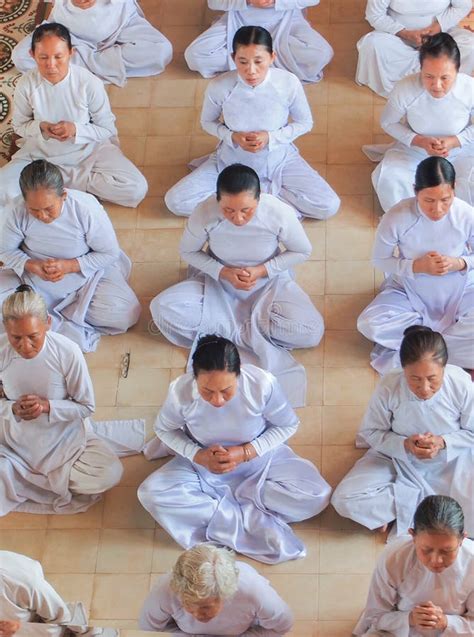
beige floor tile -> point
(170, 121)
(344, 348)
(119, 596)
(348, 386)
(136, 126)
(29, 542)
(137, 94)
(134, 148)
(153, 213)
(350, 179)
(165, 552)
(202, 145)
(307, 565)
(343, 310)
(148, 279)
(166, 150)
(314, 147)
(136, 469)
(147, 387)
(345, 91)
(90, 519)
(309, 430)
(181, 36)
(161, 178)
(343, 11)
(156, 245)
(349, 277)
(121, 217)
(330, 520)
(310, 275)
(314, 379)
(125, 551)
(337, 461)
(105, 383)
(172, 93)
(23, 521)
(340, 424)
(304, 628)
(289, 586)
(335, 629)
(342, 596)
(73, 587)
(313, 453)
(355, 210)
(71, 550)
(311, 355)
(317, 95)
(122, 510)
(346, 552)
(345, 148)
(345, 243)
(108, 354)
(316, 232)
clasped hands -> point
(30, 406)
(52, 269)
(61, 131)
(252, 142)
(436, 146)
(220, 459)
(424, 446)
(243, 278)
(415, 37)
(427, 615)
(261, 4)
(438, 264)
(9, 627)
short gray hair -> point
(41, 174)
(203, 572)
(24, 302)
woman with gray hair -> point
(209, 593)
(62, 243)
(50, 461)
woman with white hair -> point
(111, 38)
(50, 461)
(62, 243)
(209, 593)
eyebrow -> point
(211, 390)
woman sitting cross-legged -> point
(423, 585)
(424, 246)
(299, 48)
(62, 113)
(62, 243)
(234, 481)
(257, 112)
(419, 428)
(242, 286)
(50, 461)
(111, 38)
(209, 593)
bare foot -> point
(382, 529)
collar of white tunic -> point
(63, 81)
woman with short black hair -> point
(242, 286)
(234, 480)
(428, 114)
(257, 112)
(424, 584)
(424, 246)
(419, 428)
(299, 48)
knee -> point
(294, 331)
(140, 188)
(149, 491)
(160, 311)
(332, 205)
(365, 325)
(175, 202)
(191, 56)
(318, 209)
(341, 498)
(111, 475)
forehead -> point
(51, 44)
(251, 50)
(24, 326)
(438, 541)
(441, 64)
(239, 200)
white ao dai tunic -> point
(255, 609)
(83, 304)
(299, 48)
(444, 303)
(384, 58)
(388, 482)
(248, 508)
(112, 39)
(274, 316)
(401, 582)
(90, 161)
(425, 115)
(26, 596)
(231, 105)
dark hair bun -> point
(24, 287)
(417, 328)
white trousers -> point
(385, 319)
(384, 59)
(309, 52)
(302, 187)
(294, 321)
(394, 177)
(112, 177)
(97, 469)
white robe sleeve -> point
(288, 5)
(101, 239)
(300, 115)
(457, 11)
(395, 109)
(194, 239)
(102, 120)
(282, 421)
(272, 616)
(380, 612)
(466, 136)
(458, 441)
(295, 241)
(377, 16)
(211, 114)
(81, 402)
(46, 602)
(170, 423)
(23, 121)
(12, 235)
(462, 626)
(386, 240)
(156, 612)
(227, 5)
(376, 426)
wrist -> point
(462, 264)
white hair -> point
(24, 302)
(203, 572)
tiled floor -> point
(108, 556)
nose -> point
(218, 401)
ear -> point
(274, 55)
(49, 322)
(31, 53)
(412, 533)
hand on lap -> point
(424, 446)
(252, 142)
(30, 406)
(9, 627)
(428, 615)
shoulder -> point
(457, 382)
(181, 389)
(464, 88)
(66, 350)
(82, 76)
(397, 558)
(85, 202)
(462, 209)
(408, 88)
(220, 86)
(6, 352)
(29, 80)
(206, 212)
(284, 78)
(249, 579)
(161, 586)
(390, 384)
(467, 550)
(257, 383)
(402, 214)
(276, 210)
(20, 565)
